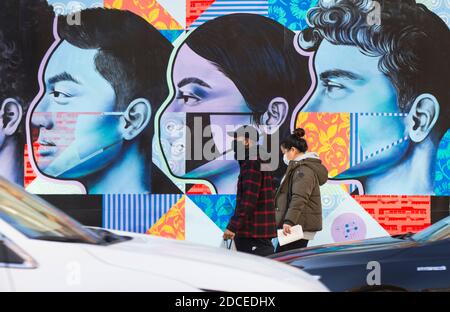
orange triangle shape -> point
(195, 8)
(173, 223)
(150, 10)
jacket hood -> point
(316, 165)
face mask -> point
(90, 150)
(194, 162)
(354, 145)
(286, 160)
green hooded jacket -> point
(298, 200)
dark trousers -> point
(255, 246)
(302, 243)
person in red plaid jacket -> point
(253, 224)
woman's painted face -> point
(203, 90)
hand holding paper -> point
(295, 235)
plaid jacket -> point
(254, 216)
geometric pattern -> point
(291, 13)
(171, 34)
(194, 8)
(328, 134)
(136, 212)
(225, 7)
(219, 208)
(442, 167)
(199, 228)
(150, 10)
(172, 224)
(398, 214)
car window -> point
(37, 219)
(438, 231)
(8, 256)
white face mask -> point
(87, 153)
(286, 160)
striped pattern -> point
(224, 7)
(135, 212)
(356, 152)
(382, 114)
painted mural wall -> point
(130, 101)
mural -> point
(134, 101)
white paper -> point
(296, 234)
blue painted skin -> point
(73, 85)
(349, 81)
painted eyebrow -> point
(339, 73)
(187, 81)
(62, 77)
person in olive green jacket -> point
(298, 200)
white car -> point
(42, 249)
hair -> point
(296, 140)
(258, 55)
(132, 56)
(412, 42)
(25, 36)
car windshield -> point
(439, 230)
(37, 219)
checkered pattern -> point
(254, 215)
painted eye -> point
(59, 95)
(335, 90)
(188, 99)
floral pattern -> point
(291, 13)
(172, 224)
(150, 10)
(219, 208)
(328, 134)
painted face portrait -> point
(77, 133)
(93, 122)
(203, 91)
(396, 100)
(226, 75)
(21, 50)
(350, 82)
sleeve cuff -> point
(288, 222)
(231, 227)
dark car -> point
(419, 262)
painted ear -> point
(275, 115)
(137, 116)
(422, 117)
(11, 113)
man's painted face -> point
(201, 89)
(70, 124)
(350, 82)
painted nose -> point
(42, 120)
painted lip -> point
(46, 148)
